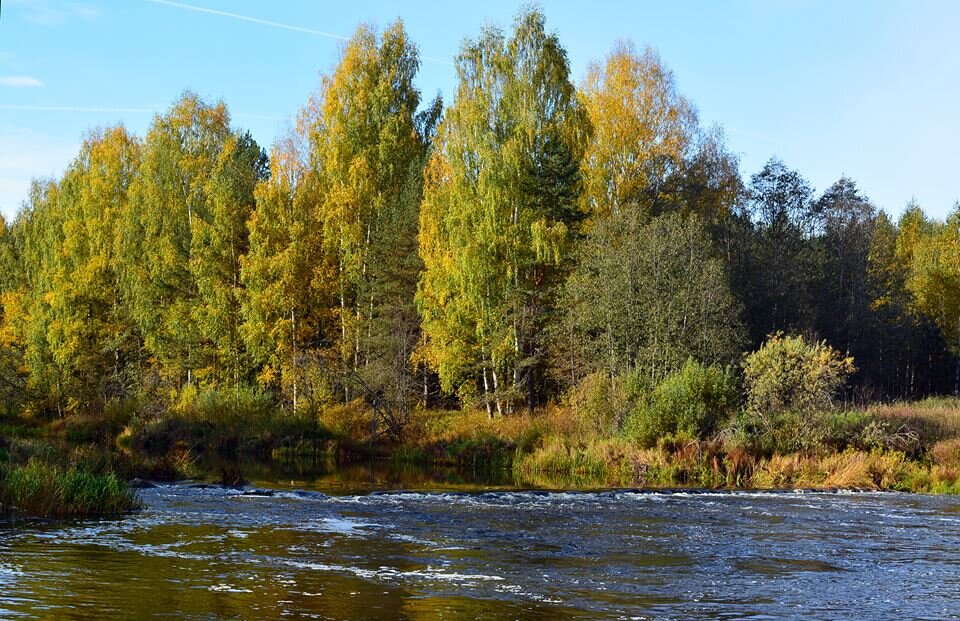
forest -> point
(532, 243)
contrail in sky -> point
(108, 110)
(266, 22)
(72, 109)
(255, 20)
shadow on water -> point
(383, 475)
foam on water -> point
(601, 554)
(228, 588)
(339, 525)
(392, 574)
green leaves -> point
(74, 328)
(183, 232)
(645, 297)
(499, 208)
(368, 145)
(334, 227)
(689, 404)
(935, 278)
(506, 246)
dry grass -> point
(848, 470)
(933, 418)
(553, 448)
(946, 452)
(550, 448)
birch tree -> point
(499, 213)
(643, 130)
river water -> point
(368, 546)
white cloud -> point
(27, 154)
(53, 12)
(19, 81)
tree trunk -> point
(956, 379)
(496, 392)
(343, 330)
(532, 388)
(486, 390)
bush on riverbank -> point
(244, 421)
(687, 430)
(44, 490)
(690, 403)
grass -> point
(43, 490)
(848, 470)
(931, 419)
(39, 478)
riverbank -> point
(905, 447)
(79, 466)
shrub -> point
(787, 374)
(229, 420)
(599, 405)
(689, 403)
(351, 420)
(790, 384)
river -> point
(362, 544)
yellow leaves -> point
(788, 374)
(268, 376)
(335, 188)
(14, 315)
(642, 128)
(499, 191)
(934, 278)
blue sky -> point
(869, 89)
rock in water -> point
(231, 477)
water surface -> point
(353, 545)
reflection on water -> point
(338, 544)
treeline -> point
(495, 252)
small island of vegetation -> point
(572, 282)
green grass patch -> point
(43, 490)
